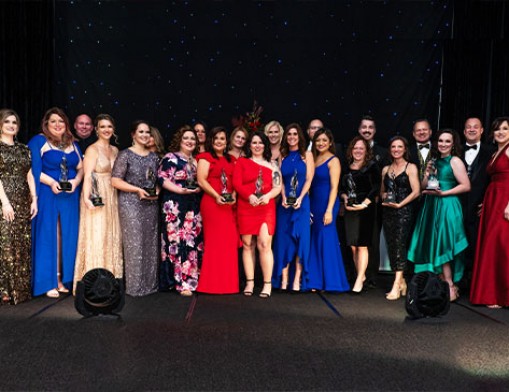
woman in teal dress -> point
(291, 245)
(439, 238)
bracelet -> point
(364, 205)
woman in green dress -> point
(439, 239)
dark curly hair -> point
(267, 155)
(177, 139)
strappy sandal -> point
(248, 293)
(6, 298)
(265, 294)
(53, 293)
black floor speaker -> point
(427, 296)
(99, 292)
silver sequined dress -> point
(139, 222)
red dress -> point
(249, 218)
(219, 272)
(490, 280)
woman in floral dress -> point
(181, 226)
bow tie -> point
(473, 146)
(421, 146)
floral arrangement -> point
(253, 120)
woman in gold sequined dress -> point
(99, 243)
(19, 206)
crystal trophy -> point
(190, 176)
(351, 187)
(292, 195)
(391, 192)
(259, 185)
(63, 181)
(150, 182)
(95, 197)
(433, 183)
(227, 196)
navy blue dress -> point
(51, 207)
(326, 270)
(292, 226)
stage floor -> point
(289, 342)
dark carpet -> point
(286, 343)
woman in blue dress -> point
(55, 156)
(293, 213)
(325, 267)
(439, 238)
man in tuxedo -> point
(313, 126)
(84, 128)
(476, 156)
(420, 152)
(367, 130)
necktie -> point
(473, 146)
(421, 146)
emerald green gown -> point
(439, 236)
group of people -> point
(175, 220)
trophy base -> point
(258, 195)
(65, 186)
(97, 201)
(151, 191)
(390, 199)
(290, 201)
(191, 187)
(433, 186)
(227, 197)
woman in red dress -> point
(219, 272)
(257, 183)
(490, 280)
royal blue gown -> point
(326, 270)
(44, 226)
(292, 226)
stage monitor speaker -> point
(99, 292)
(428, 296)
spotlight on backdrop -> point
(428, 296)
(99, 292)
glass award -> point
(227, 196)
(95, 197)
(150, 182)
(259, 184)
(433, 183)
(291, 199)
(391, 189)
(63, 180)
(190, 176)
(351, 187)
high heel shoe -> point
(266, 294)
(296, 288)
(248, 290)
(398, 290)
(453, 293)
(284, 285)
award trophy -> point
(391, 192)
(433, 183)
(63, 182)
(259, 185)
(96, 199)
(292, 195)
(190, 176)
(150, 183)
(227, 196)
(351, 195)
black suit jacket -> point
(479, 180)
(415, 158)
(381, 156)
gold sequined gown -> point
(99, 243)
(15, 238)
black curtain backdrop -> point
(26, 66)
(175, 62)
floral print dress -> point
(181, 227)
